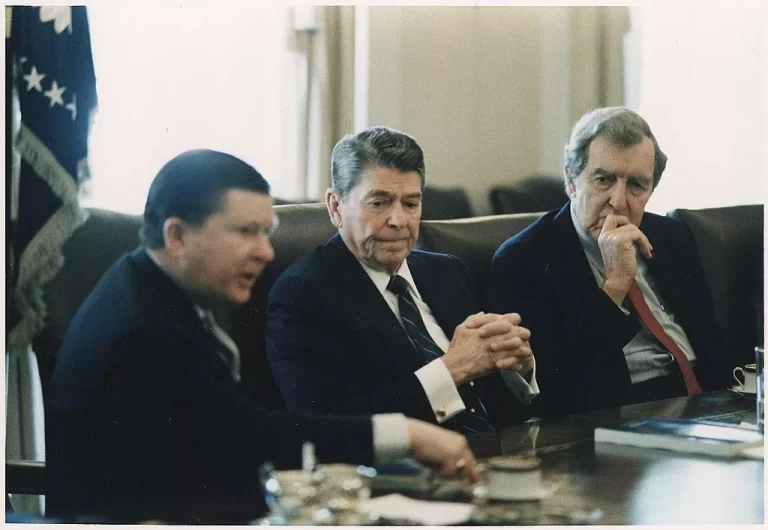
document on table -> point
(431, 513)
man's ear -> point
(332, 202)
(173, 235)
(570, 188)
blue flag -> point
(56, 88)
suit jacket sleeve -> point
(323, 360)
(577, 332)
(180, 405)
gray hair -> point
(374, 147)
(619, 126)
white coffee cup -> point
(514, 478)
(748, 374)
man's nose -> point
(396, 217)
(619, 196)
(263, 250)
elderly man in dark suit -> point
(364, 324)
(615, 298)
(145, 412)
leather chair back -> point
(302, 228)
(730, 242)
(445, 203)
(539, 193)
(91, 249)
(473, 241)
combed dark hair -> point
(618, 125)
(374, 147)
(190, 186)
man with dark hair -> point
(364, 324)
(146, 418)
(615, 297)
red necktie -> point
(636, 297)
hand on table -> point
(446, 450)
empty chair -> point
(539, 193)
(445, 203)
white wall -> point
(703, 92)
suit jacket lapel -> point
(365, 303)
(572, 265)
(575, 276)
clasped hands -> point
(486, 342)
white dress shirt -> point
(434, 377)
(646, 357)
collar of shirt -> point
(200, 312)
(381, 279)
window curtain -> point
(597, 73)
(581, 56)
(324, 40)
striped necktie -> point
(474, 418)
(231, 356)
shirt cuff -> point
(522, 389)
(440, 389)
(391, 440)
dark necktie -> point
(474, 418)
(644, 312)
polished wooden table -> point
(613, 484)
(589, 484)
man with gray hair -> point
(365, 324)
(615, 298)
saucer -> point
(535, 495)
(741, 390)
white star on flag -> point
(72, 107)
(55, 94)
(33, 79)
(61, 16)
